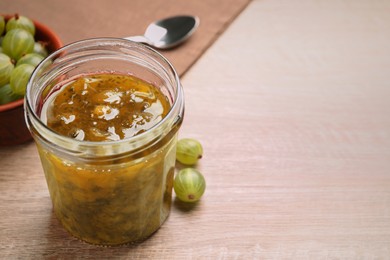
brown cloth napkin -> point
(74, 20)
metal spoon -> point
(169, 32)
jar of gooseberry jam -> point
(107, 192)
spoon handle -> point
(140, 39)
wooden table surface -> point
(292, 106)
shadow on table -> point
(183, 206)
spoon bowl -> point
(168, 32)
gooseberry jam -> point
(114, 201)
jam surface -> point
(105, 107)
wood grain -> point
(291, 104)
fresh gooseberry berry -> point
(189, 185)
(17, 43)
(20, 22)
(6, 67)
(7, 95)
(32, 58)
(39, 48)
(188, 151)
(19, 78)
(2, 25)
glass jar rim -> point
(176, 108)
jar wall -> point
(112, 203)
(113, 192)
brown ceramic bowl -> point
(13, 129)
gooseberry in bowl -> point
(24, 43)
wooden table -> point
(292, 107)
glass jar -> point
(111, 192)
